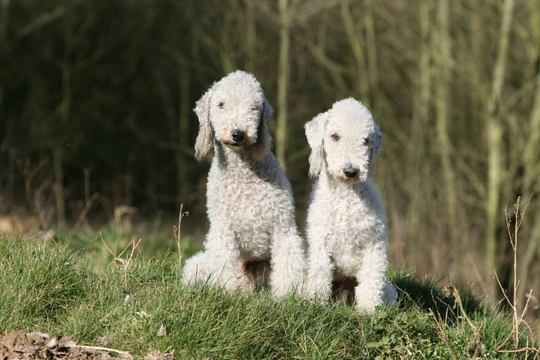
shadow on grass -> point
(427, 295)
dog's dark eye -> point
(221, 105)
(335, 137)
(366, 141)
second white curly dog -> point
(346, 223)
(249, 199)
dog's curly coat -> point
(346, 223)
(249, 199)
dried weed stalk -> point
(476, 347)
(518, 317)
(126, 263)
(178, 231)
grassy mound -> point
(137, 305)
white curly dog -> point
(249, 200)
(346, 222)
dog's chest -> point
(250, 204)
(347, 245)
(249, 209)
(253, 243)
(249, 200)
(350, 222)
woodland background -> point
(96, 119)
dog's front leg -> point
(320, 271)
(287, 261)
(224, 257)
(369, 293)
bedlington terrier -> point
(346, 222)
(249, 200)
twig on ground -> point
(99, 348)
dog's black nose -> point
(350, 172)
(238, 136)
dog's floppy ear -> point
(205, 138)
(377, 141)
(314, 133)
(376, 146)
(264, 140)
(267, 112)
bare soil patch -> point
(17, 345)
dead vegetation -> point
(35, 345)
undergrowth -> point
(137, 304)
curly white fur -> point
(249, 199)
(346, 223)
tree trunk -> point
(57, 155)
(531, 170)
(184, 108)
(444, 63)
(285, 18)
(494, 131)
(357, 45)
(371, 49)
(251, 36)
(58, 145)
(416, 158)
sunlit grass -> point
(136, 303)
(111, 241)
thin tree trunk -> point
(251, 36)
(416, 158)
(494, 130)
(285, 18)
(442, 92)
(184, 108)
(58, 146)
(531, 153)
(357, 45)
(531, 173)
(371, 49)
(57, 155)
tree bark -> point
(251, 36)
(184, 108)
(444, 63)
(417, 158)
(371, 49)
(356, 43)
(531, 169)
(65, 109)
(494, 131)
(285, 18)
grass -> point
(112, 239)
(136, 304)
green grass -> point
(112, 240)
(50, 287)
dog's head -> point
(234, 112)
(343, 141)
